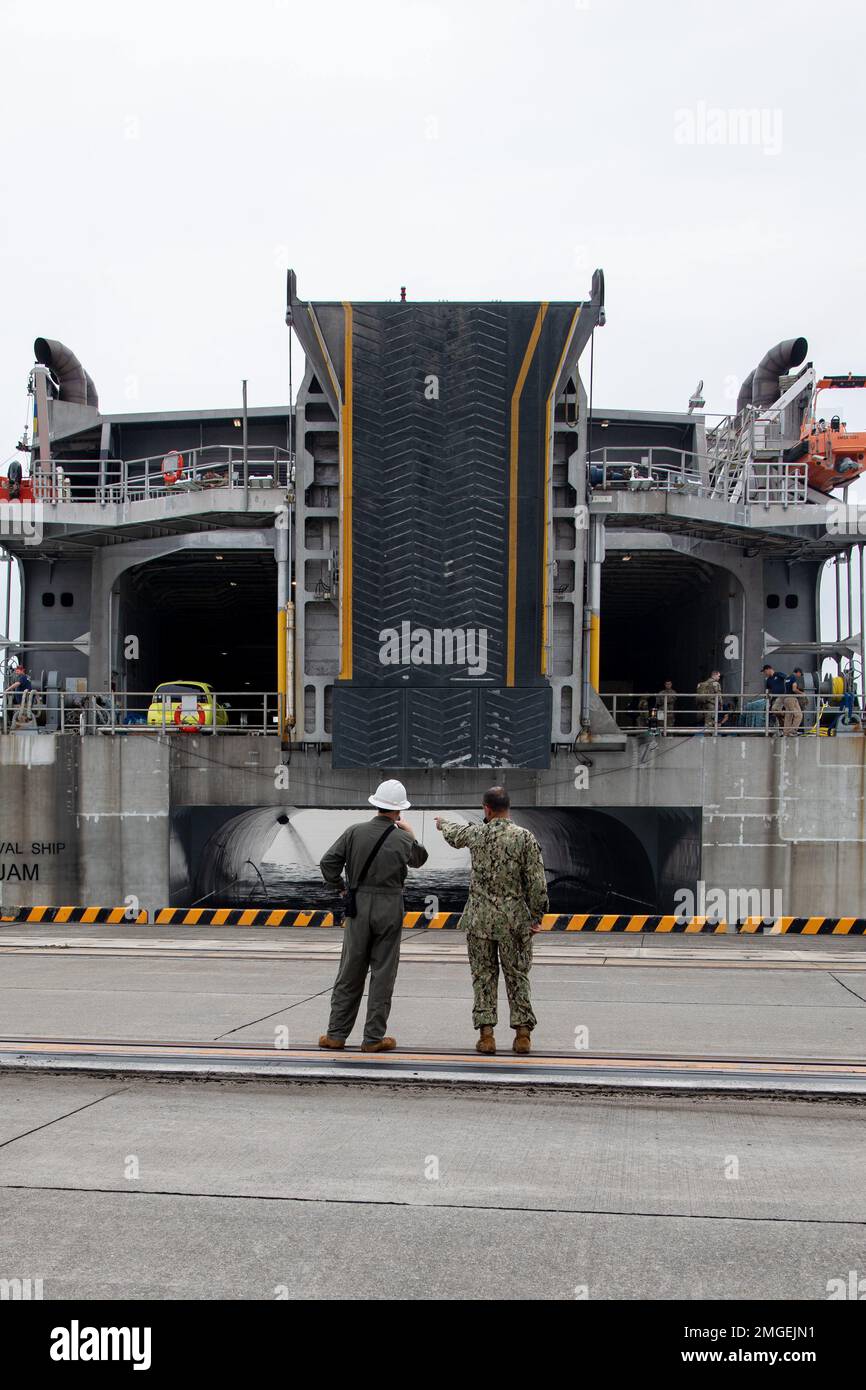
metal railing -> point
(258, 712)
(744, 456)
(661, 468)
(129, 712)
(268, 468)
(753, 713)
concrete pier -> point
(89, 819)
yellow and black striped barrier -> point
(586, 922)
(241, 917)
(91, 915)
(441, 921)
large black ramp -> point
(445, 415)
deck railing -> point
(267, 469)
(661, 468)
(128, 712)
(753, 713)
(258, 712)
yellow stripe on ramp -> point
(513, 469)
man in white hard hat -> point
(368, 864)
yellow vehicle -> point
(186, 705)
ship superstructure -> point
(444, 560)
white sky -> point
(165, 162)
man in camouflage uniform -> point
(707, 691)
(507, 900)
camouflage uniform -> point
(507, 893)
(707, 691)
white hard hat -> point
(390, 796)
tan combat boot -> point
(333, 1044)
(487, 1041)
(522, 1041)
(383, 1045)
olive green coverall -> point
(371, 941)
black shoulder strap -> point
(373, 852)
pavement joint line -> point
(433, 1206)
(276, 1012)
(56, 1121)
(655, 960)
(674, 1002)
(848, 987)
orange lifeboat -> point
(833, 456)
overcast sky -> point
(165, 162)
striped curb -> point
(441, 921)
(587, 922)
(89, 915)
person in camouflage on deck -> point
(708, 692)
(507, 900)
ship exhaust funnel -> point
(76, 386)
(780, 360)
(745, 396)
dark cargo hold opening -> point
(200, 618)
(664, 616)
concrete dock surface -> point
(124, 1186)
(801, 997)
(206, 1190)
